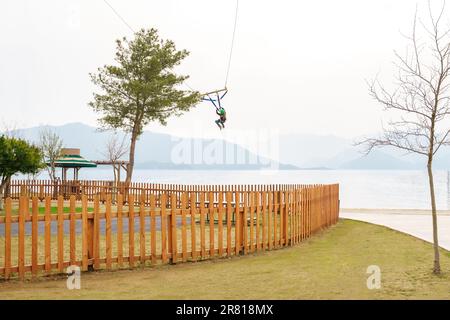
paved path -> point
(418, 225)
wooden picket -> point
(142, 230)
(184, 227)
(131, 230)
(153, 229)
(163, 229)
(34, 237)
(72, 236)
(211, 223)
(8, 209)
(193, 216)
(84, 234)
(120, 230)
(108, 233)
(47, 231)
(229, 226)
(202, 226)
(220, 224)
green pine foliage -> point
(142, 87)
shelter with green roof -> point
(71, 159)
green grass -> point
(331, 265)
(53, 210)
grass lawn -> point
(331, 265)
(41, 211)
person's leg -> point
(218, 123)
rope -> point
(119, 16)
(232, 42)
(187, 85)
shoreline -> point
(393, 211)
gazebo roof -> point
(74, 161)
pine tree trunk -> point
(437, 264)
(131, 158)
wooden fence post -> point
(211, 217)
(173, 228)
(85, 236)
(169, 227)
(60, 230)
(90, 242)
(34, 236)
(184, 197)
(163, 228)
(229, 214)
(193, 210)
(23, 204)
(131, 230)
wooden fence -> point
(40, 236)
(91, 188)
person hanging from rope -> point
(220, 111)
(222, 118)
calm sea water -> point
(403, 189)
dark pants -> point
(221, 122)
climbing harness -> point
(215, 97)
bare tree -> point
(115, 149)
(420, 102)
(50, 144)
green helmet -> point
(221, 111)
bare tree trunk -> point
(115, 173)
(437, 264)
(55, 188)
(114, 187)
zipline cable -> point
(118, 15)
(232, 42)
(128, 25)
(232, 39)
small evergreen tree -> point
(142, 87)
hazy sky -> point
(298, 66)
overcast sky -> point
(298, 66)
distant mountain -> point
(377, 160)
(333, 152)
(296, 151)
(345, 156)
(161, 151)
(306, 150)
(171, 166)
